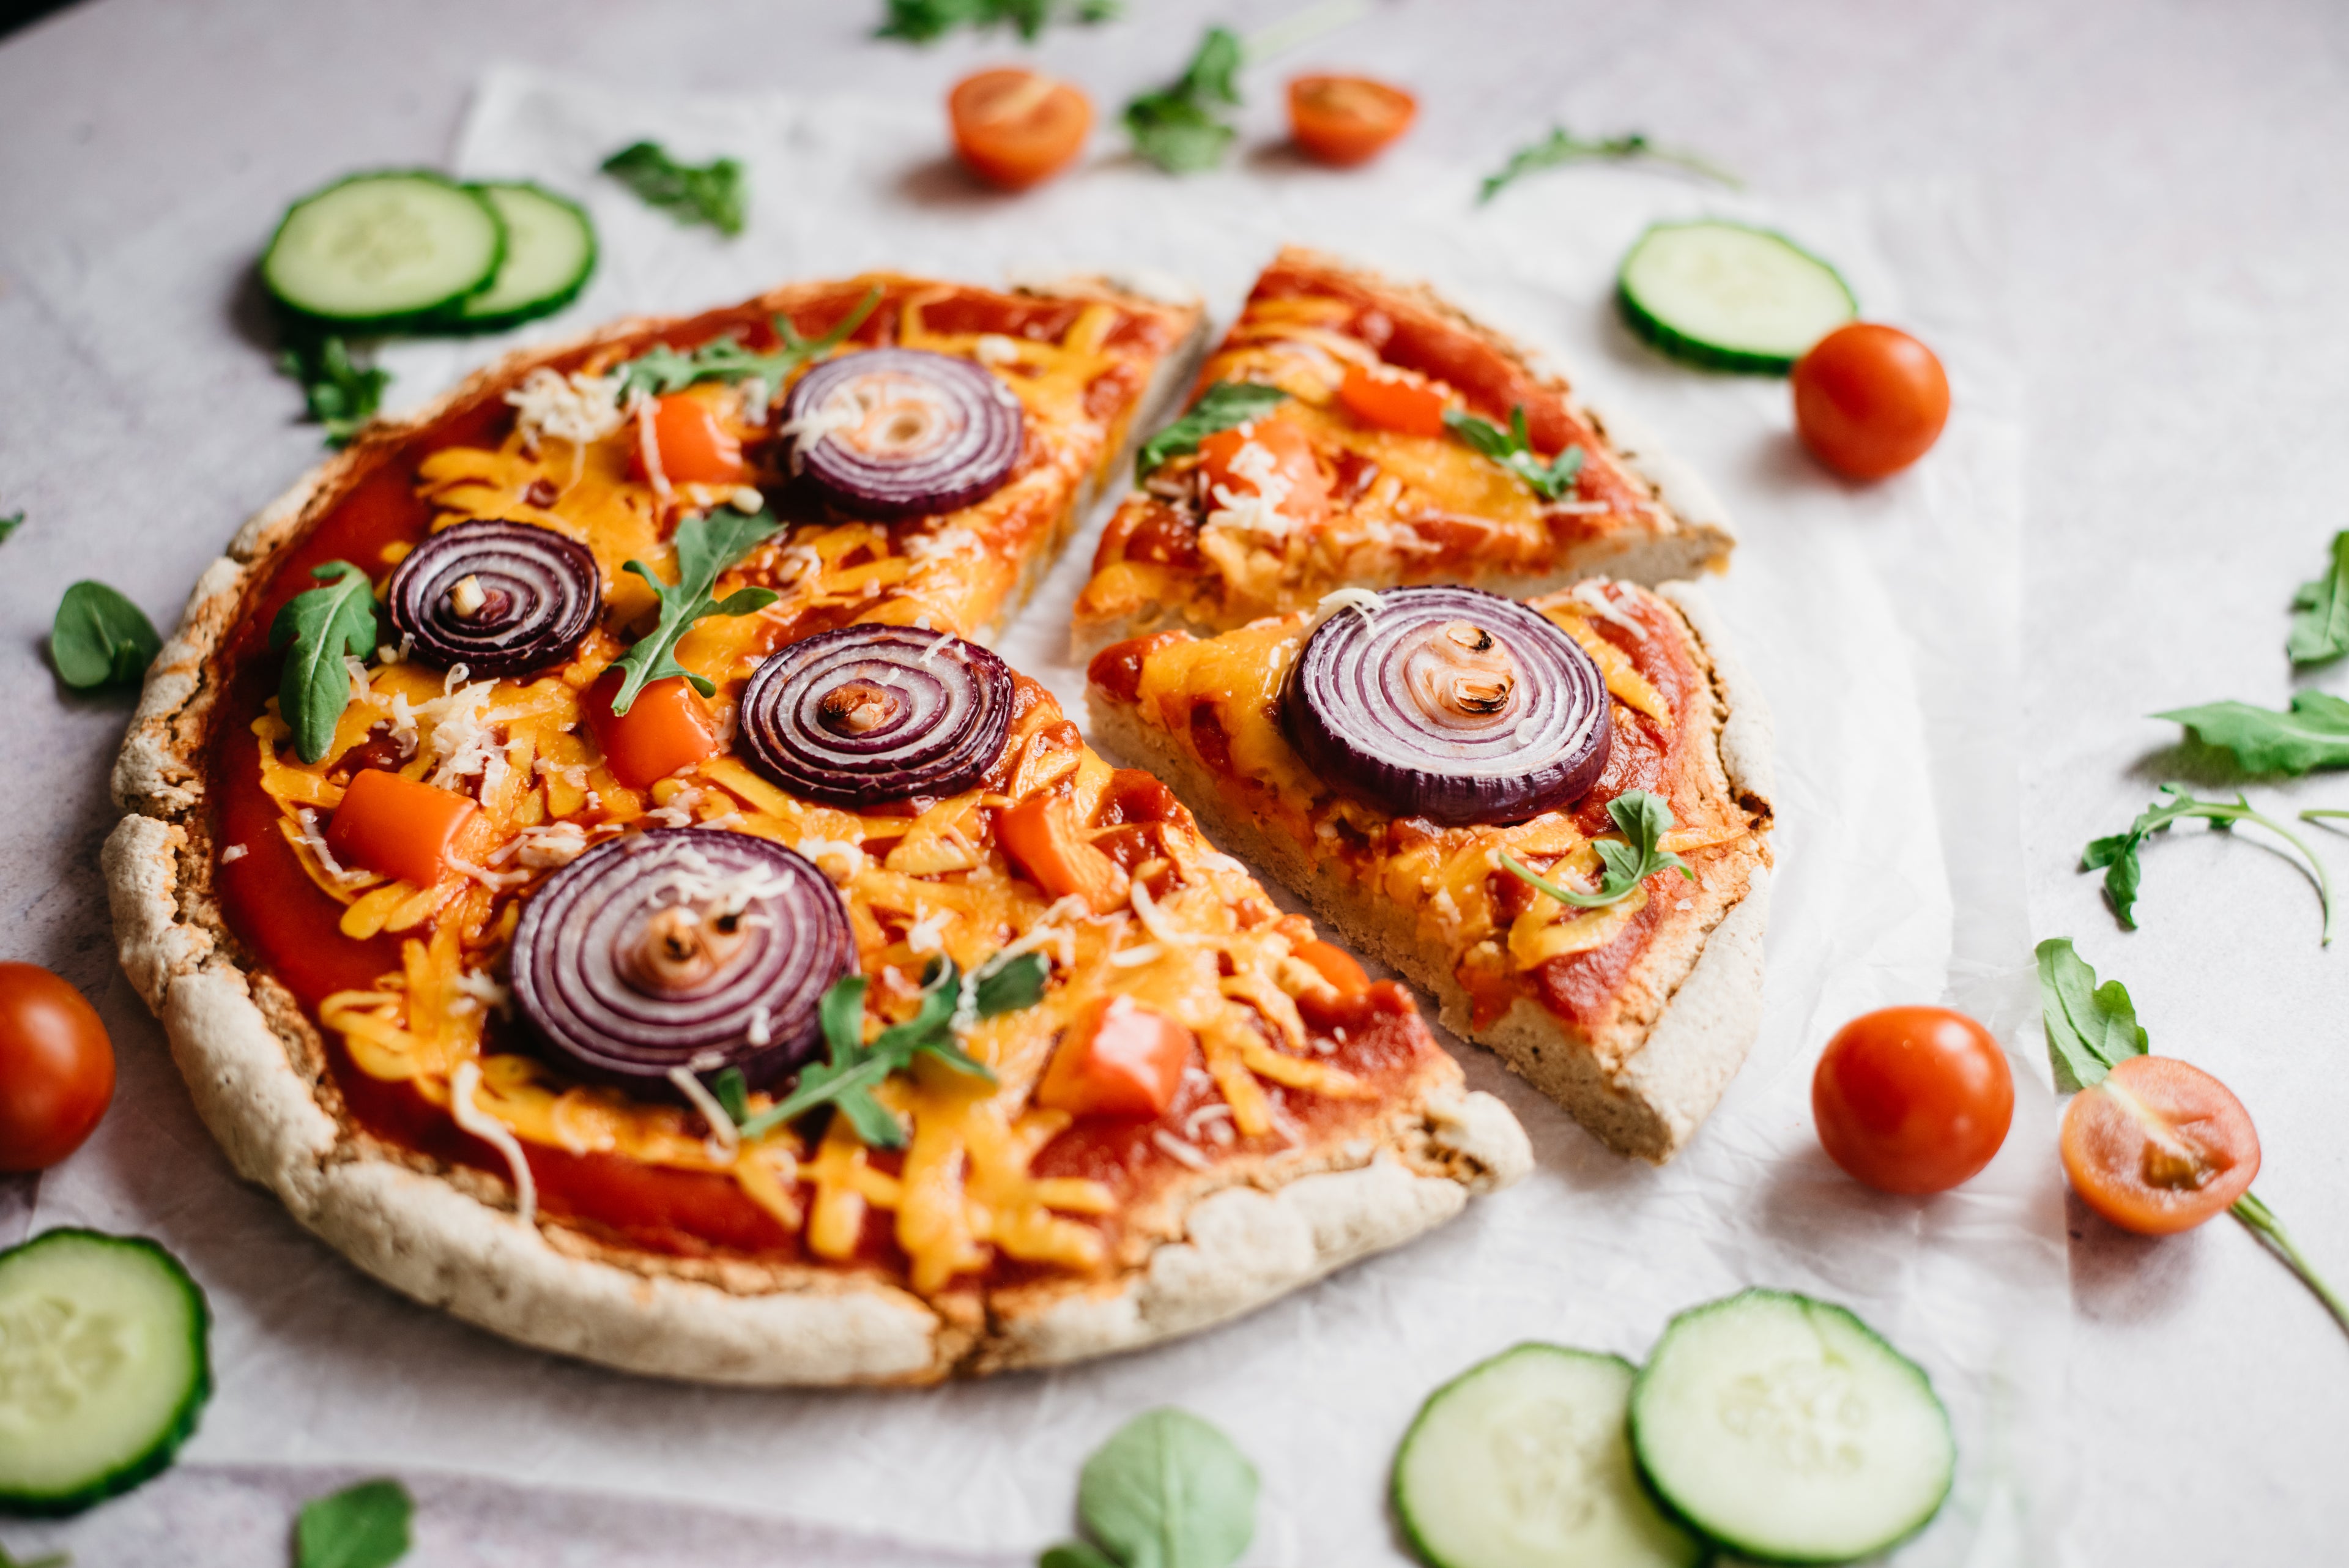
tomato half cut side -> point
(1013, 128)
(2158, 1146)
(1912, 1099)
(1346, 120)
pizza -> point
(1350, 431)
(1552, 815)
(590, 868)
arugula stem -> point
(1290, 32)
(2324, 882)
(2313, 812)
(2261, 1221)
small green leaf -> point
(2116, 854)
(340, 392)
(364, 1526)
(1219, 407)
(709, 193)
(2320, 631)
(1179, 127)
(2091, 1028)
(926, 21)
(314, 631)
(1169, 1490)
(841, 1013)
(1012, 986)
(1513, 450)
(10, 523)
(2314, 733)
(100, 639)
(1067, 1554)
(1560, 148)
(660, 371)
(1643, 819)
(706, 547)
(732, 1093)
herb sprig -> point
(706, 547)
(1168, 1490)
(2313, 733)
(363, 1526)
(926, 21)
(1643, 819)
(2092, 1029)
(1182, 127)
(1560, 147)
(314, 631)
(710, 193)
(1219, 407)
(342, 393)
(10, 523)
(661, 370)
(2320, 628)
(100, 639)
(1514, 450)
(2116, 854)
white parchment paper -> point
(1882, 622)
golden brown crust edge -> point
(450, 1239)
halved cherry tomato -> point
(1040, 835)
(694, 447)
(1347, 121)
(1119, 1059)
(1393, 401)
(57, 1068)
(1869, 399)
(1013, 128)
(1336, 965)
(2158, 1146)
(1227, 465)
(667, 728)
(400, 828)
(1912, 1099)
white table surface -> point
(2176, 193)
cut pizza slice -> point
(1552, 815)
(1353, 431)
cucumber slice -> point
(103, 1368)
(1787, 1430)
(1730, 297)
(1522, 1462)
(550, 252)
(382, 249)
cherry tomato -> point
(1013, 128)
(57, 1068)
(694, 447)
(1912, 1099)
(1869, 401)
(1347, 121)
(1393, 401)
(2158, 1146)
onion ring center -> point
(890, 417)
(858, 708)
(1462, 676)
(679, 949)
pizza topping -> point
(900, 432)
(868, 714)
(497, 597)
(692, 948)
(1453, 704)
(1120, 1059)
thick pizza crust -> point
(451, 1239)
(1643, 1076)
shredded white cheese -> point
(1134, 958)
(826, 852)
(577, 409)
(725, 1139)
(924, 936)
(1591, 593)
(648, 447)
(1181, 1152)
(1153, 919)
(496, 1134)
(234, 852)
(483, 988)
(316, 843)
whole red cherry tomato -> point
(1912, 1099)
(1869, 401)
(2158, 1146)
(57, 1068)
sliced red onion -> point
(681, 947)
(497, 597)
(1450, 703)
(899, 432)
(869, 715)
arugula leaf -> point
(1561, 148)
(2320, 631)
(1643, 819)
(2312, 733)
(661, 370)
(1067, 1554)
(1168, 1490)
(1011, 987)
(364, 1526)
(732, 1093)
(1514, 450)
(1179, 127)
(100, 639)
(1219, 407)
(692, 193)
(316, 629)
(926, 21)
(11, 522)
(341, 393)
(2116, 854)
(706, 547)
(54, 1560)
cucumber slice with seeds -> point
(550, 254)
(103, 1368)
(1729, 296)
(1522, 1462)
(384, 250)
(1786, 1430)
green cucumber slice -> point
(1522, 1462)
(550, 254)
(1729, 296)
(103, 1368)
(385, 249)
(1786, 1430)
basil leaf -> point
(1177, 127)
(1073, 1554)
(317, 628)
(661, 370)
(364, 1526)
(706, 547)
(1012, 986)
(2314, 733)
(1219, 407)
(10, 523)
(926, 21)
(100, 639)
(1169, 1490)
(341, 393)
(2091, 1028)
(709, 193)
(1513, 450)
(1560, 148)
(2320, 631)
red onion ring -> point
(873, 714)
(680, 946)
(900, 432)
(1450, 703)
(497, 597)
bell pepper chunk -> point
(397, 827)
(1040, 836)
(1393, 401)
(1336, 965)
(689, 443)
(667, 729)
(1120, 1059)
